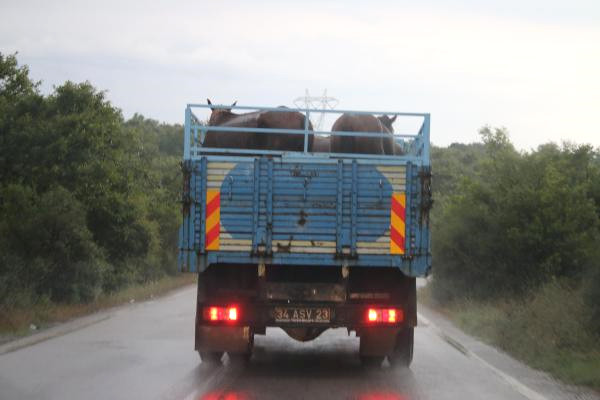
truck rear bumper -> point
(376, 338)
(352, 316)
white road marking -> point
(513, 382)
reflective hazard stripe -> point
(397, 223)
(213, 219)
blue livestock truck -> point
(304, 239)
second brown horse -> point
(363, 144)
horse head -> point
(219, 116)
(387, 122)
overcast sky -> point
(531, 66)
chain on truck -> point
(295, 234)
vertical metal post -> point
(193, 219)
(184, 238)
(416, 210)
(306, 121)
(408, 210)
(187, 134)
(354, 208)
(413, 204)
(202, 203)
(255, 206)
(426, 126)
(269, 248)
(338, 209)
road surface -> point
(145, 351)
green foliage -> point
(451, 166)
(87, 200)
(164, 138)
(14, 80)
(47, 245)
(454, 163)
(591, 293)
(518, 221)
(511, 224)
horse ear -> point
(393, 119)
(234, 103)
(210, 104)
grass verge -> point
(17, 321)
(547, 330)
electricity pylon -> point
(323, 102)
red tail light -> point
(391, 316)
(384, 315)
(372, 315)
(221, 313)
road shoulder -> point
(80, 322)
(533, 384)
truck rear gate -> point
(276, 234)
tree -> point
(77, 179)
(519, 221)
(52, 251)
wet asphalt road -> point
(145, 351)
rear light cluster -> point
(384, 315)
(221, 314)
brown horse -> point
(232, 140)
(284, 120)
(321, 144)
(363, 144)
(257, 119)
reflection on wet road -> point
(327, 368)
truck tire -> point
(371, 361)
(241, 359)
(211, 358)
(403, 351)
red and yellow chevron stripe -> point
(397, 223)
(213, 219)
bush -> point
(88, 201)
(548, 329)
(591, 293)
(552, 319)
(49, 249)
(521, 221)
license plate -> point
(302, 314)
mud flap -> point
(232, 339)
(377, 341)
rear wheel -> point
(371, 361)
(403, 351)
(239, 358)
(211, 357)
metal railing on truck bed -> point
(254, 206)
